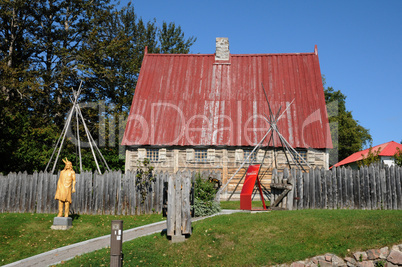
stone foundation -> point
(374, 257)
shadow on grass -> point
(73, 215)
(164, 233)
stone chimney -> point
(222, 48)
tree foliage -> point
(348, 136)
(144, 178)
(370, 158)
(48, 48)
(398, 157)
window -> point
(302, 157)
(153, 154)
(201, 155)
(252, 157)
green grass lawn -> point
(23, 234)
(276, 237)
(235, 205)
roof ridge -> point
(239, 55)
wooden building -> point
(384, 151)
(206, 111)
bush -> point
(205, 208)
(204, 192)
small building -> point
(385, 151)
(207, 111)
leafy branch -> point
(144, 178)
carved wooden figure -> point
(65, 186)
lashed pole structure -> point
(59, 145)
(272, 120)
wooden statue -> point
(65, 186)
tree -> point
(348, 136)
(112, 71)
(172, 39)
(18, 79)
(370, 158)
(49, 47)
(398, 157)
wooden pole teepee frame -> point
(75, 109)
(272, 120)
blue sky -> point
(359, 44)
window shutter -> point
(142, 153)
(239, 155)
(190, 154)
(211, 154)
(162, 154)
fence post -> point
(398, 187)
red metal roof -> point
(190, 100)
(386, 150)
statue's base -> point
(62, 223)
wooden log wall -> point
(370, 188)
(111, 193)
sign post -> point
(116, 241)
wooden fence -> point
(111, 193)
(369, 188)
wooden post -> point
(378, 186)
(373, 187)
(349, 188)
(39, 194)
(133, 192)
(369, 188)
(317, 188)
(291, 193)
(324, 195)
(398, 187)
(383, 189)
(356, 189)
(330, 200)
(178, 204)
(186, 208)
(388, 188)
(363, 181)
(393, 189)
(334, 188)
(171, 207)
(306, 190)
(311, 189)
(339, 187)
(300, 189)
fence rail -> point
(373, 187)
(111, 193)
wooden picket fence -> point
(374, 187)
(111, 193)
